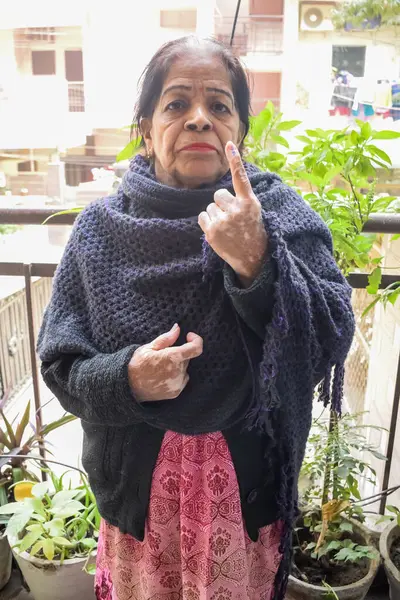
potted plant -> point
(53, 535)
(389, 546)
(331, 545)
(15, 444)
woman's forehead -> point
(206, 69)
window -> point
(178, 19)
(73, 65)
(40, 34)
(76, 97)
(349, 58)
(28, 166)
(43, 62)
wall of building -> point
(314, 63)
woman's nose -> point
(198, 120)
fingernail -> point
(175, 327)
(232, 149)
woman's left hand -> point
(233, 224)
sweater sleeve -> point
(253, 304)
(88, 383)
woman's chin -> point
(201, 174)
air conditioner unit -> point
(316, 16)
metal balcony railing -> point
(25, 312)
(256, 33)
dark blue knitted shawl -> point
(137, 262)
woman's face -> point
(194, 119)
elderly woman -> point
(192, 315)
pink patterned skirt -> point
(196, 546)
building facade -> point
(68, 77)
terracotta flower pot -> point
(300, 590)
(48, 580)
(5, 561)
(391, 532)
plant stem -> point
(356, 199)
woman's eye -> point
(175, 105)
(219, 107)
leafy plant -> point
(16, 444)
(333, 466)
(55, 525)
(265, 135)
(335, 172)
(334, 460)
(366, 14)
(393, 516)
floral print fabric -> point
(195, 545)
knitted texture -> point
(137, 262)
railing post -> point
(391, 439)
(32, 351)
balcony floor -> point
(15, 591)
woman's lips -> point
(199, 147)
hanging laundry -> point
(383, 98)
(395, 112)
(342, 100)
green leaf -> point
(91, 569)
(10, 431)
(374, 280)
(89, 543)
(311, 546)
(278, 139)
(22, 425)
(395, 237)
(29, 540)
(370, 307)
(130, 150)
(393, 509)
(366, 130)
(71, 509)
(55, 527)
(18, 522)
(261, 122)
(346, 526)
(46, 429)
(62, 541)
(378, 455)
(36, 549)
(385, 135)
(69, 211)
(63, 497)
(334, 545)
(288, 125)
(303, 138)
(12, 507)
(48, 549)
(40, 489)
(354, 137)
(378, 152)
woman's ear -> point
(241, 134)
(145, 130)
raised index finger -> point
(241, 183)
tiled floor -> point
(15, 591)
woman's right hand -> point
(158, 370)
